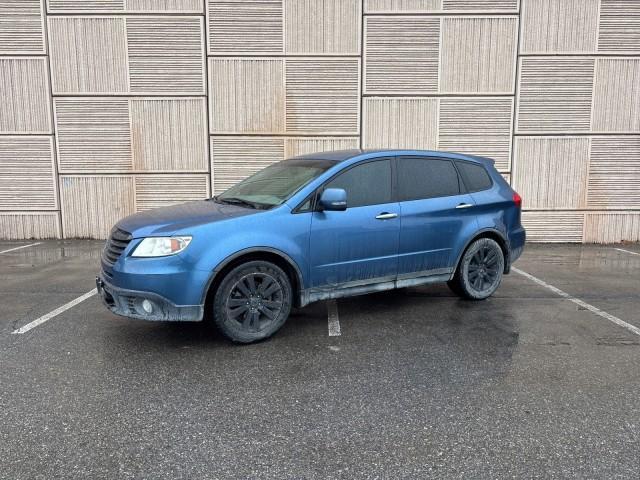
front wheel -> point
(480, 270)
(252, 302)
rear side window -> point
(366, 184)
(475, 177)
(426, 178)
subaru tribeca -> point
(315, 227)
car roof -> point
(342, 155)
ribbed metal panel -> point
(478, 126)
(391, 6)
(612, 227)
(93, 135)
(294, 146)
(614, 172)
(401, 55)
(325, 104)
(88, 6)
(465, 65)
(400, 122)
(245, 27)
(235, 158)
(182, 6)
(246, 95)
(322, 26)
(154, 191)
(556, 227)
(21, 27)
(619, 29)
(27, 175)
(169, 134)
(117, 6)
(88, 55)
(24, 95)
(555, 94)
(616, 98)
(551, 172)
(23, 225)
(91, 205)
(166, 54)
(481, 5)
(559, 26)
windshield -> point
(273, 185)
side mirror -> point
(333, 199)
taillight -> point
(517, 199)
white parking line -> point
(334, 322)
(57, 311)
(627, 251)
(577, 301)
(21, 246)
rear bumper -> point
(129, 303)
(517, 239)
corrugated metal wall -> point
(108, 107)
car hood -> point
(169, 220)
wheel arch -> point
(267, 254)
(494, 235)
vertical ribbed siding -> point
(616, 99)
(246, 95)
(302, 146)
(612, 227)
(235, 158)
(400, 123)
(27, 175)
(165, 55)
(93, 135)
(619, 29)
(251, 27)
(555, 94)
(401, 55)
(555, 227)
(169, 134)
(91, 205)
(155, 191)
(24, 95)
(88, 55)
(559, 26)
(614, 172)
(478, 126)
(21, 29)
(23, 225)
(551, 172)
(327, 103)
(390, 6)
(322, 26)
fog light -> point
(147, 306)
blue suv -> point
(315, 227)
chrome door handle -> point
(386, 216)
(464, 205)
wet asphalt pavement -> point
(420, 384)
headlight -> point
(161, 246)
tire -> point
(252, 302)
(479, 272)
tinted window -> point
(366, 184)
(475, 177)
(426, 178)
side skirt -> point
(353, 289)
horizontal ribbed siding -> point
(21, 27)
(614, 173)
(619, 29)
(555, 227)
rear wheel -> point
(252, 302)
(480, 270)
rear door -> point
(436, 215)
(360, 244)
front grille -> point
(117, 242)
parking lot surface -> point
(418, 384)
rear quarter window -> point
(474, 176)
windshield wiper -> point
(239, 201)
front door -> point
(358, 245)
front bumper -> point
(128, 303)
